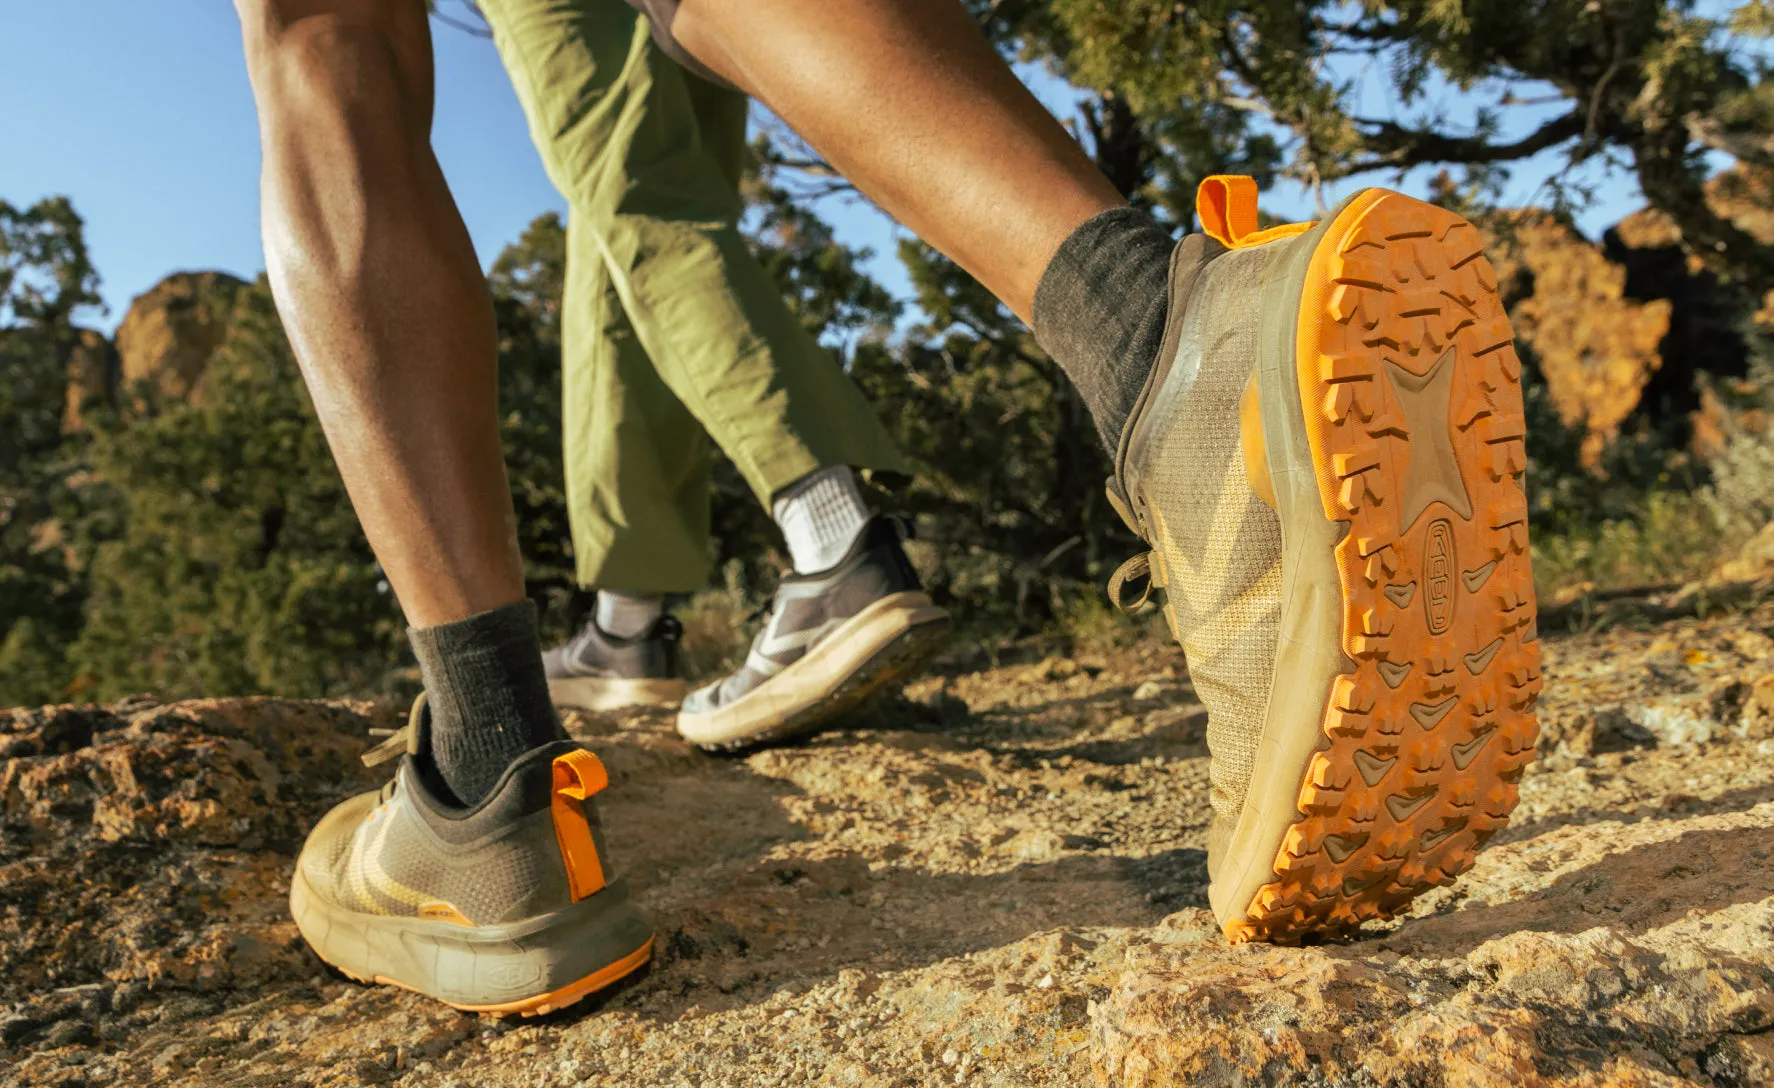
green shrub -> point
(1673, 538)
(240, 567)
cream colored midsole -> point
(815, 677)
(601, 693)
(473, 965)
(1308, 650)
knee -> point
(333, 57)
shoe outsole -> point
(1411, 390)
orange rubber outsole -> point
(541, 1003)
(1411, 390)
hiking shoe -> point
(509, 906)
(595, 670)
(1327, 465)
(830, 641)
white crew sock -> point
(627, 615)
(820, 515)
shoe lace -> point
(396, 742)
(1137, 570)
(393, 746)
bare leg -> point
(910, 102)
(382, 296)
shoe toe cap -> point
(702, 700)
(328, 846)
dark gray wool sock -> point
(487, 694)
(1099, 311)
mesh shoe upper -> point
(807, 607)
(1216, 547)
(401, 851)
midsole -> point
(817, 675)
(479, 965)
(610, 693)
(1308, 651)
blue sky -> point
(141, 113)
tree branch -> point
(1751, 146)
(1397, 146)
(1673, 186)
(481, 31)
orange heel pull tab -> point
(577, 776)
(1226, 204)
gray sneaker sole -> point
(530, 967)
(881, 645)
(602, 693)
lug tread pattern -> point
(1425, 741)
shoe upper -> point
(532, 846)
(1216, 547)
(594, 652)
(807, 607)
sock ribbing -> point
(487, 694)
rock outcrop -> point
(93, 372)
(997, 881)
(1582, 958)
(1707, 322)
(169, 333)
(1597, 349)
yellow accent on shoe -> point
(561, 998)
(1409, 391)
(444, 912)
(1256, 452)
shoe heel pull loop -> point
(578, 775)
(1226, 204)
(1136, 568)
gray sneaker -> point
(832, 639)
(507, 907)
(595, 670)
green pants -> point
(672, 332)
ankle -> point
(487, 693)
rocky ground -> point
(997, 880)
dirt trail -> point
(997, 880)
